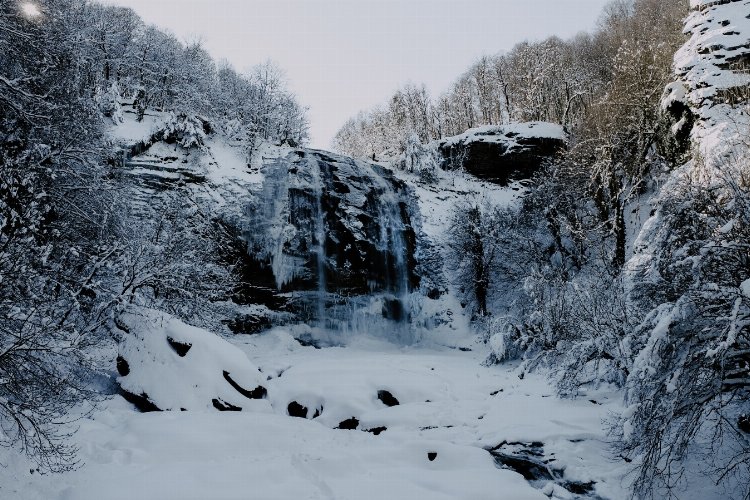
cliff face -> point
(713, 70)
(317, 238)
(334, 231)
(503, 153)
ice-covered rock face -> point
(336, 236)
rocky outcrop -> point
(337, 233)
(503, 153)
(712, 91)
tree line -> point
(552, 80)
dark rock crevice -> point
(140, 401)
(530, 460)
(259, 392)
(181, 348)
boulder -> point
(503, 153)
(165, 364)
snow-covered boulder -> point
(165, 364)
(503, 153)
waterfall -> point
(337, 236)
(392, 239)
(319, 238)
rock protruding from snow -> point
(504, 153)
(211, 373)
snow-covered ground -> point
(448, 404)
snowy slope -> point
(448, 405)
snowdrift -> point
(165, 364)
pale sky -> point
(342, 56)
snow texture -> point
(190, 381)
(449, 405)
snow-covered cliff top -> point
(510, 133)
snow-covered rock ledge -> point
(713, 69)
(504, 153)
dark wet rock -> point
(584, 489)
(431, 456)
(123, 368)
(502, 154)
(530, 460)
(224, 406)
(181, 348)
(387, 398)
(394, 309)
(377, 430)
(743, 423)
(294, 409)
(349, 424)
(257, 393)
(530, 467)
(140, 401)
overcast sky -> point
(342, 56)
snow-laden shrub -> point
(108, 101)
(501, 334)
(421, 159)
(689, 382)
(234, 130)
(185, 129)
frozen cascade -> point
(320, 246)
(394, 250)
(337, 235)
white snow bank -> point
(227, 456)
(448, 404)
(131, 131)
(192, 381)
